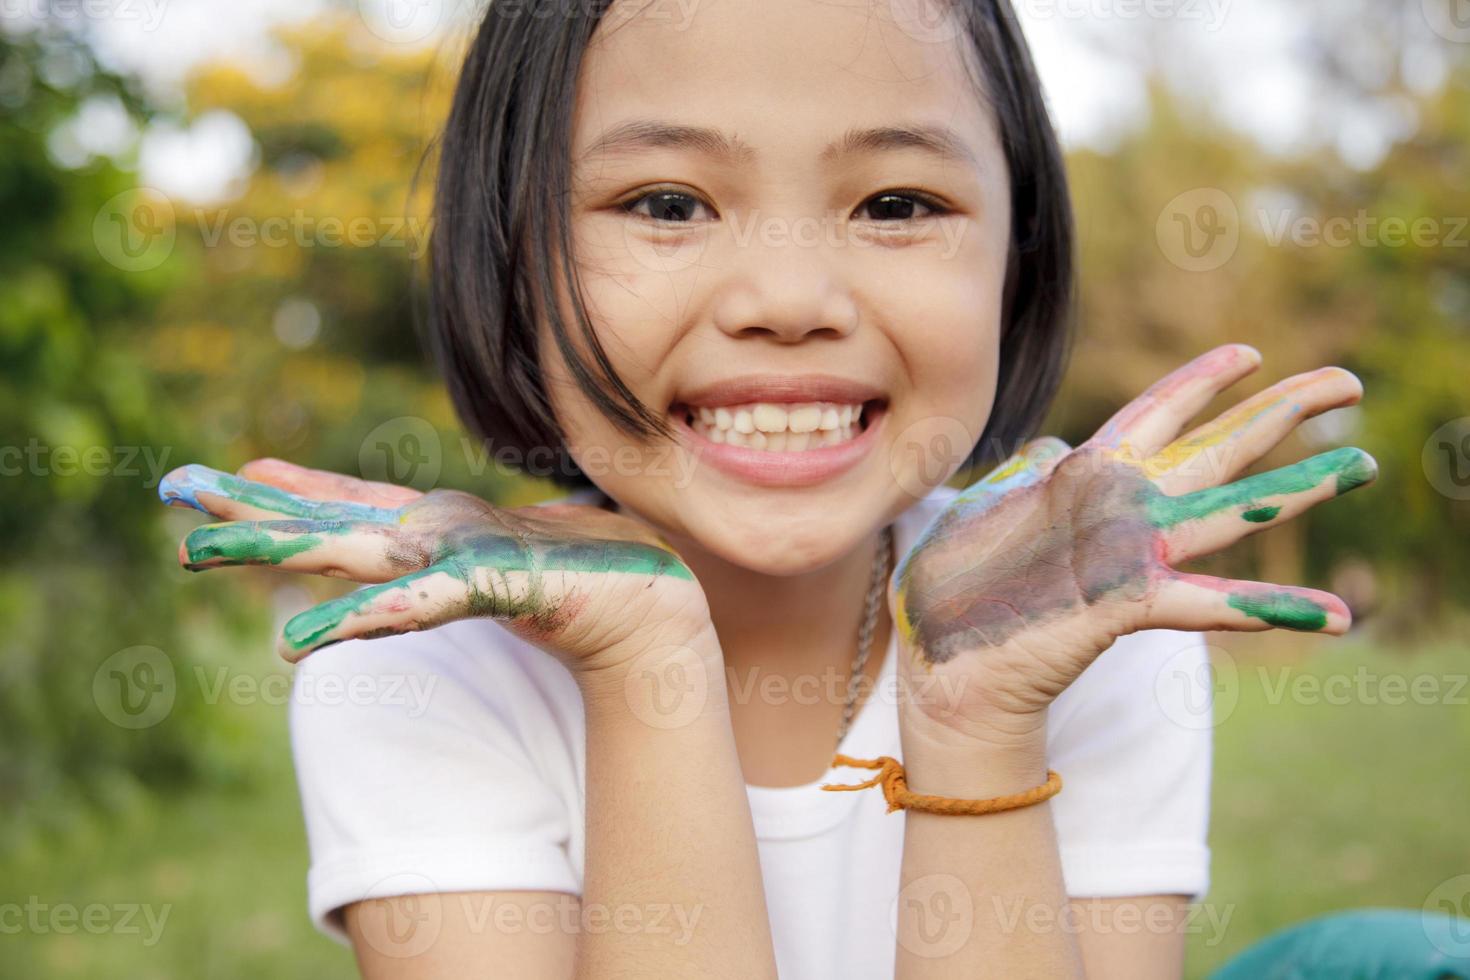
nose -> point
(786, 289)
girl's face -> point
(787, 213)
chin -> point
(795, 541)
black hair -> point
(505, 161)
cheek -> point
(944, 320)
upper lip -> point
(779, 388)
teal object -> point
(1367, 944)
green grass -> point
(1321, 806)
(1317, 807)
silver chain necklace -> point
(876, 589)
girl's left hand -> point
(1029, 574)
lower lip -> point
(799, 469)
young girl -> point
(754, 278)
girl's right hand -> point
(592, 588)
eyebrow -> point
(642, 134)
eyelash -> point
(935, 206)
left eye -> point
(899, 206)
(665, 205)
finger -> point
(1031, 464)
(1223, 447)
(234, 498)
(1203, 602)
(1262, 503)
(326, 485)
(360, 551)
(1153, 419)
(438, 594)
(1339, 471)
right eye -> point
(664, 205)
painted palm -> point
(1033, 571)
(574, 579)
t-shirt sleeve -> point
(417, 776)
(1132, 740)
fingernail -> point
(184, 485)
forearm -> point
(973, 888)
(669, 829)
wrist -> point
(664, 682)
(974, 764)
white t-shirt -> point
(454, 760)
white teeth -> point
(804, 419)
(769, 418)
(784, 427)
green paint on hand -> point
(1282, 609)
(243, 544)
(1350, 467)
(1260, 515)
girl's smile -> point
(780, 430)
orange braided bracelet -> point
(896, 790)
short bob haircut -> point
(505, 166)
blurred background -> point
(209, 233)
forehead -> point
(780, 75)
